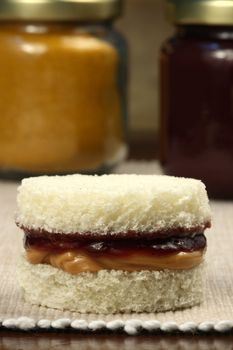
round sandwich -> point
(113, 243)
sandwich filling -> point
(76, 253)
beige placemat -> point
(218, 304)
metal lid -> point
(59, 10)
(205, 12)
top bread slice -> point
(112, 204)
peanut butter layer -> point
(75, 262)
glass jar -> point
(62, 87)
(196, 95)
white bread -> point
(110, 204)
(111, 291)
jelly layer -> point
(61, 243)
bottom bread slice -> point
(111, 291)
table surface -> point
(23, 341)
(34, 340)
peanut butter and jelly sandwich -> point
(113, 243)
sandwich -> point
(113, 243)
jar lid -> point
(202, 12)
(59, 10)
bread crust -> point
(109, 236)
(116, 205)
(111, 291)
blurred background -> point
(145, 27)
(63, 88)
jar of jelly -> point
(196, 126)
(62, 87)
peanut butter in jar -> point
(62, 86)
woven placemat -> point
(216, 313)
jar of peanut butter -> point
(62, 87)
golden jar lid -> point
(202, 12)
(59, 10)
